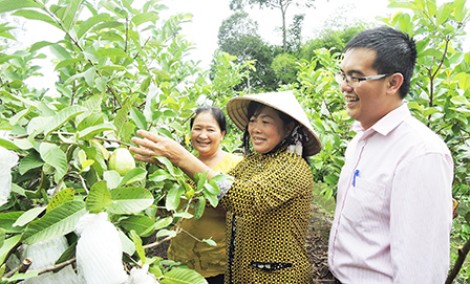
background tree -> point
(332, 39)
(281, 5)
(238, 35)
(295, 34)
(285, 67)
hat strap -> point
(295, 140)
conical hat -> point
(237, 109)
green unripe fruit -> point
(121, 161)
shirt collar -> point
(387, 123)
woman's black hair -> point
(216, 112)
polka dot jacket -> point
(268, 210)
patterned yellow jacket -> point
(268, 210)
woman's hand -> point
(151, 145)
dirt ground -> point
(317, 245)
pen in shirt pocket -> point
(356, 174)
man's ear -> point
(394, 82)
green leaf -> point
(37, 125)
(144, 17)
(55, 157)
(459, 100)
(142, 225)
(18, 189)
(212, 187)
(89, 76)
(7, 220)
(134, 175)
(211, 197)
(11, 5)
(180, 275)
(8, 245)
(7, 144)
(159, 176)
(130, 200)
(112, 178)
(62, 117)
(111, 68)
(28, 216)
(65, 195)
(2, 240)
(144, 86)
(138, 245)
(183, 215)
(40, 44)
(93, 130)
(166, 233)
(90, 118)
(168, 165)
(460, 10)
(58, 222)
(122, 116)
(71, 13)
(201, 179)
(68, 254)
(163, 223)
(99, 197)
(60, 52)
(67, 62)
(127, 245)
(86, 25)
(443, 13)
(173, 197)
(138, 117)
(200, 207)
(36, 15)
(464, 80)
(209, 242)
(32, 161)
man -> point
(394, 204)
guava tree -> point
(120, 68)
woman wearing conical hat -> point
(268, 200)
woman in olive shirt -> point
(208, 128)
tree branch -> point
(433, 76)
(463, 252)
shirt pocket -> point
(364, 205)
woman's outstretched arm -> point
(150, 145)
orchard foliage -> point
(119, 69)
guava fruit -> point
(121, 161)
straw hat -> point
(237, 109)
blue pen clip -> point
(356, 174)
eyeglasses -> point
(353, 81)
